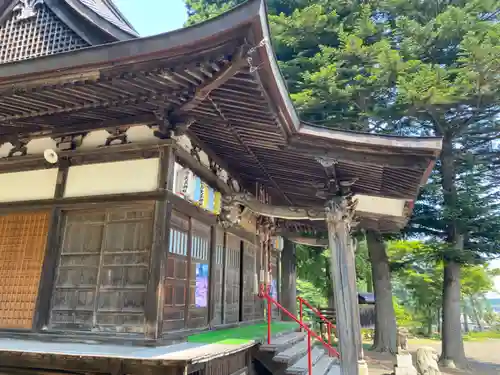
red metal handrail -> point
(329, 324)
(271, 301)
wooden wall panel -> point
(249, 269)
(218, 276)
(175, 285)
(22, 249)
(232, 290)
(199, 275)
(102, 272)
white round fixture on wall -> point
(50, 156)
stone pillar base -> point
(404, 364)
(363, 367)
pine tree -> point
(412, 67)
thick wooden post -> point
(48, 275)
(343, 270)
(158, 260)
(288, 278)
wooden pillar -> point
(288, 278)
(48, 275)
(343, 270)
(158, 259)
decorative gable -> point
(33, 30)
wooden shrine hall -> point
(146, 186)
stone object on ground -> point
(404, 364)
(427, 361)
(402, 339)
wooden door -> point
(23, 240)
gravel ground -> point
(484, 358)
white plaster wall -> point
(379, 205)
(131, 176)
(28, 186)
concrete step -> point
(324, 365)
(292, 353)
(282, 342)
(301, 366)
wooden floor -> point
(189, 352)
(199, 348)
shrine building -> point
(151, 189)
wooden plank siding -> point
(103, 270)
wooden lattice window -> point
(232, 291)
(199, 275)
(249, 269)
(218, 276)
(22, 249)
(103, 270)
(175, 286)
(42, 34)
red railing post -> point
(269, 306)
(309, 355)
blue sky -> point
(151, 17)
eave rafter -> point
(236, 135)
(172, 111)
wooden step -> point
(283, 341)
(335, 370)
(301, 366)
(292, 353)
(323, 365)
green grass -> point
(242, 335)
(479, 336)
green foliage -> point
(311, 293)
(427, 68)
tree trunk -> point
(429, 326)
(331, 297)
(476, 314)
(453, 353)
(385, 318)
(439, 321)
(466, 321)
(369, 281)
(288, 279)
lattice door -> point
(232, 295)
(248, 281)
(22, 249)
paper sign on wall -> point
(194, 189)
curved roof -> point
(222, 74)
(102, 15)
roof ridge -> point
(108, 11)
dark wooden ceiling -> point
(202, 75)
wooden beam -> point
(343, 272)
(48, 275)
(341, 154)
(80, 202)
(233, 67)
(281, 212)
(158, 260)
(202, 171)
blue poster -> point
(201, 291)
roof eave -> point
(134, 50)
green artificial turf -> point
(242, 335)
